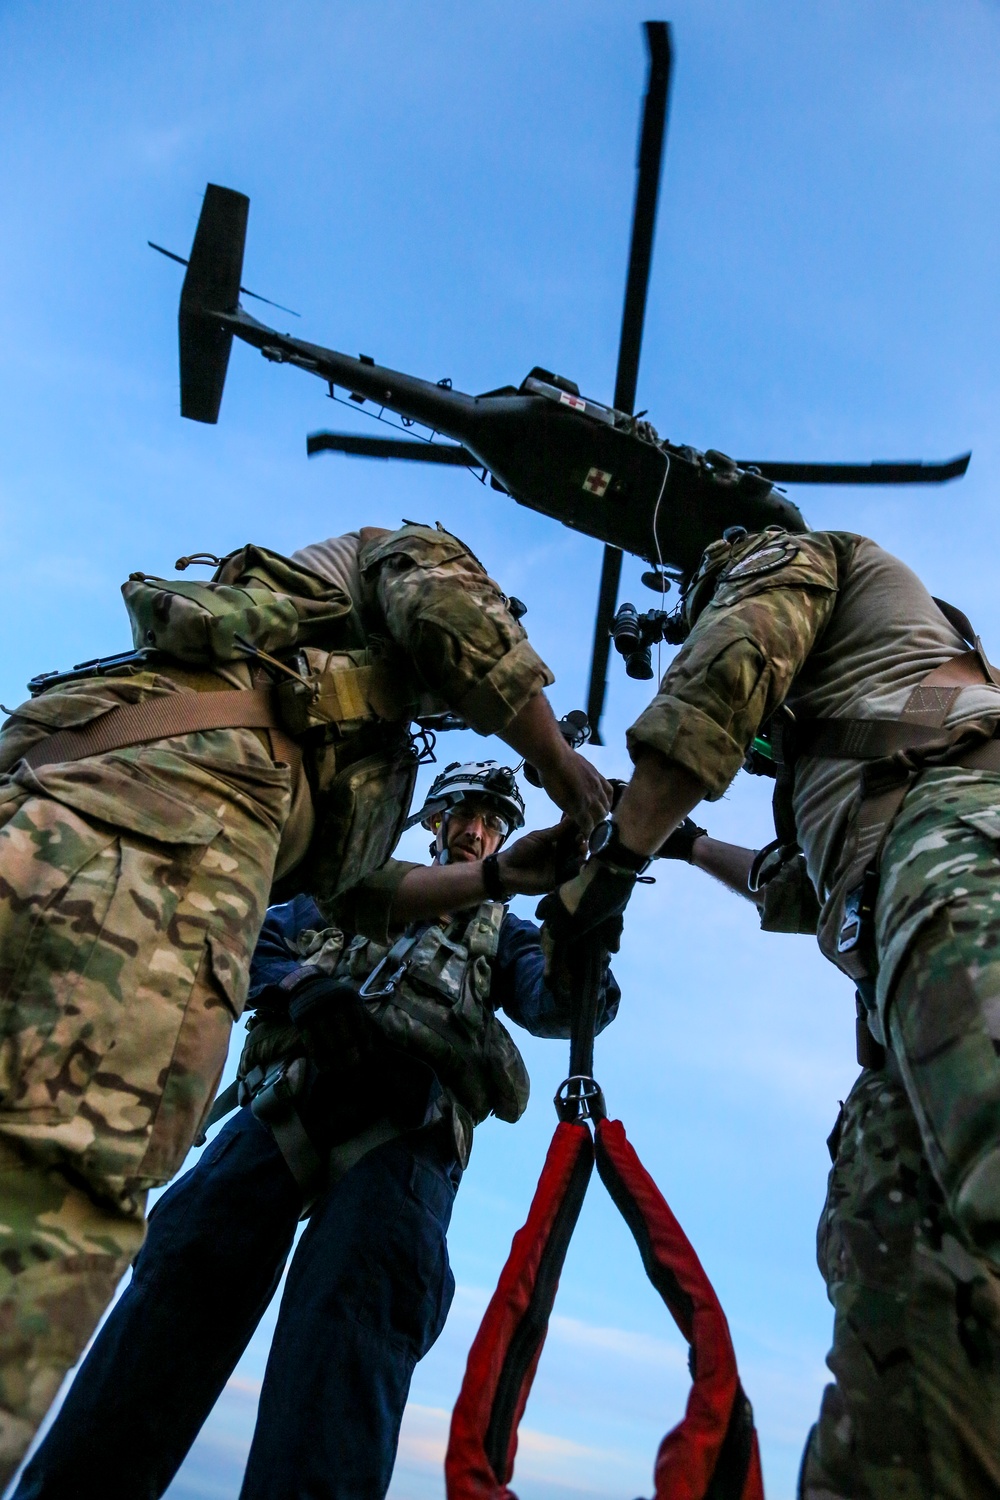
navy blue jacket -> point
(518, 988)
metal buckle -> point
(579, 1098)
(859, 913)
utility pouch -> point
(360, 818)
(429, 996)
(871, 1054)
(339, 691)
(256, 595)
(200, 622)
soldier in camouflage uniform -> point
(146, 806)
(902, 852)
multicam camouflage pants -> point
(132, 890)
(909, 1241)
(915, 1412)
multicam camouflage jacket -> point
(433, 631)
(830, 626)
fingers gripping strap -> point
(506, 1350)
(712, 1454)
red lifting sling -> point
(712, 1453)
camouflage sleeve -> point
(366, 908)
(441, 606)
(741, 657)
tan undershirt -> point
(336, 560)
(885, 634)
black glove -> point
(680, 844)
(598, 895)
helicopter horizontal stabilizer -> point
(874, 473)
(358, 446)
(211, 286)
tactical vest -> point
(891, 753)
(335, 701)
(430, 995)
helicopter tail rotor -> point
(211, 286)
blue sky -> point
(448, 188)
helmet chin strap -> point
(441, 856)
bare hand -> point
(579, 789)
(534, 864)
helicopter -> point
(598, 468)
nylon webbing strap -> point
(867, 739)
(712, 1453)
(347, 1155)
(346, 694)
(713, 1450)
(156, 719)
(502, 1361)
(224, 1105)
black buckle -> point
(859, 914)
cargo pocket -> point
(986, 822)
(60, 876)
(195, 1068)
(83, 908)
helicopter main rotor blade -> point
(358, 446)
(607, 598)
(874, 473)
(647, 191)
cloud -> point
(621, 1343)
(423, 1441)
(617, 1343)
(241, 1386)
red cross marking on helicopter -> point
(576, 402)
(596, 482)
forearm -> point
(534, 733)
(568, 778)
(659, 795)
(430, 890)
(728, 863)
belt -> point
(157, 718)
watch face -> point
(600, 836)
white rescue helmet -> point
(485, 781)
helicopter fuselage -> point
(557, 452)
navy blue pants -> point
(367, 1294)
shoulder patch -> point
(766, 559)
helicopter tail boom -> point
(211, 286)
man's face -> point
(472, 830)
